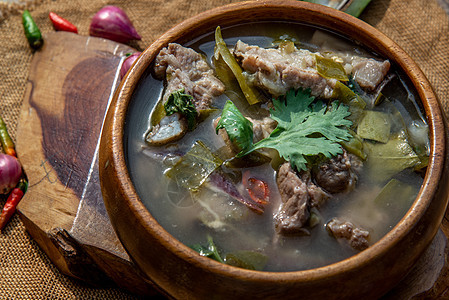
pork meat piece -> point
(298, 195)
(277, 71)
(186, 69)
(357, 238)
(338, 174)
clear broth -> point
(246, 230)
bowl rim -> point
(383, 46)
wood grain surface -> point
(70, 84)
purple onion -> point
(128, 63)
(10, 172)
(112, 23)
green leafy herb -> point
(304, 129)
(194, 167)
(329, 68)
(180, 102)
(386, 160)
(210, 251)
(249, 260)
(238, 128)
(375, 125)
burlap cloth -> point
(419, 26)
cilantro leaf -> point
(304, 128)
(178, 101)
(238, 128)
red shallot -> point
(128, 63)
(10, 172)
(112, 23)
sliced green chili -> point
(32, 32)
(250, 93)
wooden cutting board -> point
(71, 81)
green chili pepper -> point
(5, 139)
(32, 32)
(250, 93)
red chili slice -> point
(257, 189)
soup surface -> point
(232, 209)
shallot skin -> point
(112, 23)
(128, 63)
(10, 172)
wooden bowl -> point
(181, 273)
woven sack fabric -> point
(420, 27)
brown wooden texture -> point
(70, 84)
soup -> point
(282, 165)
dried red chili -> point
(257, 189)
(61, 24)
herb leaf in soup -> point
(238, 128)
(250, 260)
(304, 129)
(178, 101)
(386, 160)
(375, 125)
(194, 167)
(331, 69)
(210, 251)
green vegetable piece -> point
(356, 104)
(354, 145)
(251, 94)
(304, 129)
(32, 32)
(250, 260)
(179, 102)
(395, 194)
(194, 167)
(386, 160)
(158, 113)
(347, 96)
(328, 68)
(238, 128)
(375, 125)
(210, 251)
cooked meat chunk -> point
(367, 72)
(357, 237)
(277, 71)
(186, 69)
(338, 174)
(169, 129)
(298, 195)
(262, 128)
